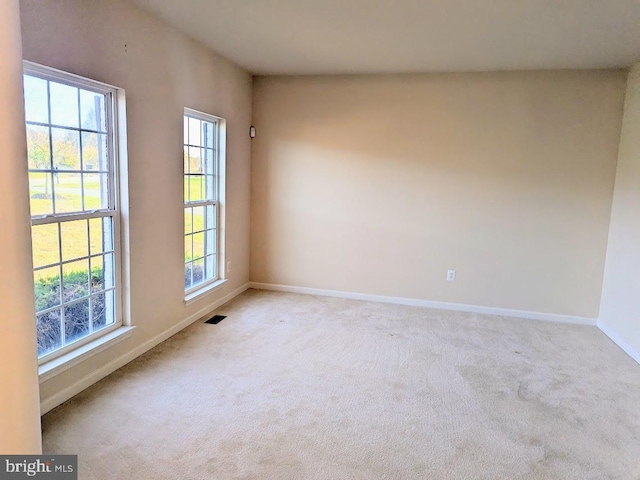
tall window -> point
(201, 199)
(74, 208)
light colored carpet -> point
(302, 387)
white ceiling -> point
(384, 36)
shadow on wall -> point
(378, 184)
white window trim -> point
(64, 362)
(219, 279)
(52, 363)
(201, 290)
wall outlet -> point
(228, 266)
(451, 275)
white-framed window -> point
(74, 199)
(203, 194)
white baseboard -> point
(62, 396)
(504, 312)
(617, 339)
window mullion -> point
(70, 217)
(64, 127)
(200, 203)
(50, 175)
(61, 270)
(90, 276)
(111, 152)
(82, 195)
(41, 170)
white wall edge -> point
(62, 396)
(617, 339)
(414, 302)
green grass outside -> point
(74, 234)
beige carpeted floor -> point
(302, 387)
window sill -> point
(193, 296)
(65, 362)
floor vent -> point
(216, 319)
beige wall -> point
(162, 72)
(380, 184)
(620, 308)
(19, 403)
(367, 184)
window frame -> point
(219, 162)
(113, 97)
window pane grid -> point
(77, 300)
(72, 189)
(80, 299)
(65, 168)
(200, 177)
(52, 265)
(36, 269)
